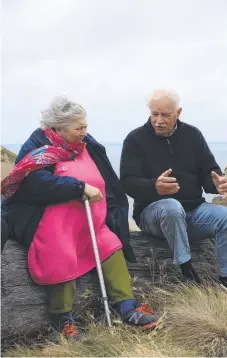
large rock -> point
(24, 304)
(219, 200)
(7, 161)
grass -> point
(194, 324)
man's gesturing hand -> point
(221, 184)
(93, 194)
(166, 185)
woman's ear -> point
(60, 131)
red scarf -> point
(58, 151)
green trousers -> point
(118, 286)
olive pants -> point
(118, 286)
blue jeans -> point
(167, 219)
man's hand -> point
(221, 184)
(94, 194)
(166, 185)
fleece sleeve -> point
(131, 173)
(44, 188)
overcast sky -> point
(109, 55)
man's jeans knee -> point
(171, 207)
(210, 221)
(167, 219)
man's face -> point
(164, 116)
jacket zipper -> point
(169, 145)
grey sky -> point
(108, 55)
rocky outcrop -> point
(219, 200)
(24, 304)
(7, 161)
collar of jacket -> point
(40, 139)
(148, 126)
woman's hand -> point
(94, 194)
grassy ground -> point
(194, 324)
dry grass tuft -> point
(194, 324)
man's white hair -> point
(61, 112)
(161, 93)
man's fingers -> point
(215, 175)
(169, 180)
(222, 187)
(167, 173)
(169, 192)
(170, 185)
(222, 180)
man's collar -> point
(174, 130)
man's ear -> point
(179, 112)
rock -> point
(7, 161)
(219, 200)
(24, 304)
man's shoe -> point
(189, 272)
(223, 281)
(141, 317)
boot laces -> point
(70, 330)
(144, 309)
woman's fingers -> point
(96, 198)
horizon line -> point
(116, 143)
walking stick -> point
(97, 259)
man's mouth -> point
(160, 128)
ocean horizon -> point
(219, 149)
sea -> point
(219, 149)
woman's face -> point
(75, 132)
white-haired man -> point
(165, 164)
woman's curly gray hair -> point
(61, 113)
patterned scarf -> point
(58, 151)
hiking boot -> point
(70, 331)
(141, 317)
(189, 272)
(64, 324)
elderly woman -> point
(56, 166)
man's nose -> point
(159, 119)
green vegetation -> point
(194, 323)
